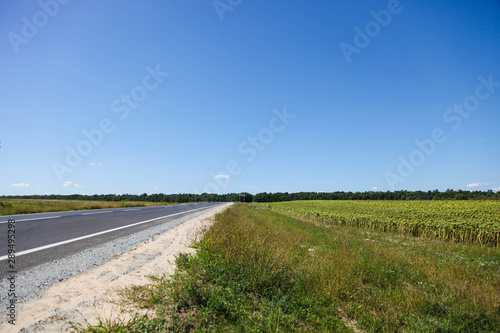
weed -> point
(258, 270)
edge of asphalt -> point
(32, 283)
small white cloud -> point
(374, 189)
(496, 189)
(222, 177)
(95, 164)
(21, 185)
(474, 185)
(71, 184)
(156, 188)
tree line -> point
(157, 197)
(372, 195)
(276, 197)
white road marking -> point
(109, 211)
(38, 218)
(129, 210)
(18, 254)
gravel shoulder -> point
(82, 287)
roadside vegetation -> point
(28, 206)
(261, 270)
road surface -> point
(45, 237)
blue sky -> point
(257, 96)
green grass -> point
(258, 270)
(28, 206)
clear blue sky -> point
(257, 96)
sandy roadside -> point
(90, 295)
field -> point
(28, 206)
(459, 221)
(263, 270)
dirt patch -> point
(92, 295)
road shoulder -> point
(91, 295)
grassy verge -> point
(28, 206)
(258, 270)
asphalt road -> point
(44, 237)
